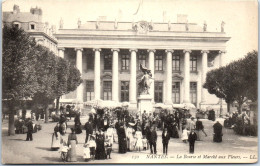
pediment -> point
(106, 75)
(177, 76)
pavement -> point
(233, 149)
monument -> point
(145, 98)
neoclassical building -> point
(108, 55)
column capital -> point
(96, 49)
(204, 51)
(184, 51)
(169, 50)
(61, 48)
(151, 50)
(78, 49)
(222, 51)
(115, 49)
(133, 49)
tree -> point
(46, 74)
(217, 83)
(62, 78)
(18, 74)
(236, 81)
(74, 79)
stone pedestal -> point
(145, 103)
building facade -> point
(32, 23)
(108, 55)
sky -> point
(240, 17)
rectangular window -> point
(107, 86)
(175, 62)
(32, 26)
(90, 62)
(90, 90)
(193, 63)
(108, 62)
(141, 60)
(124, 91)
(193, 93)
(16, 25)
(158, 92)
(176, 92)
(159, 62)
(125, 62)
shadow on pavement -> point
(53, 159)
(17, 139)
(45, 148)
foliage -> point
(46, 75)
(62, 76)
(19, 59)
(74, 79)
(236, 81)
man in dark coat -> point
(199, 128)
(30, 130)
(89, 130)
(165, 140)
(192, 138)
(217, 132)
(153, 140)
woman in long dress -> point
(72, 143)
(56, 138)
(139, 141)
(175, 133)
(100, 145)
(122, 139)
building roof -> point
(157, 26)
(21, 17)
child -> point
(92, 147)
(108, 148)
(144, 143)
(185, 134)
(64, 151)
(86, 152)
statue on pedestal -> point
(146, 80)
(61, 23)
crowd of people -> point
(240, 123)
(132, 132)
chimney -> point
(182, 18)
(16, 9)
(37, 11)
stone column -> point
(132, 90)
(186, 98)
(204, 69)
(61, 52)
(151, 67)
(115, 85)
(79, 66)
(221, 54)
(97, 73)
(168, 95)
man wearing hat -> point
(89, 130)
(192, 138)
(191, 124)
